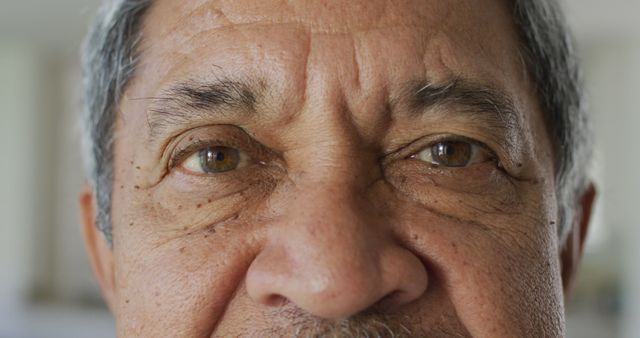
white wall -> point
(46, 287)
(614, 81)
(20, 196)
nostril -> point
(390, 301)
(275, 300)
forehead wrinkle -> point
(207, 15)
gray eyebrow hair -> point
(192, 100)
(481, 101)
(189, 100)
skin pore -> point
(335, 213)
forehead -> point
(396, 40)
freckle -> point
(122, 187)
(138, 167)
(209, 200)
(126, 301)
(182, 250)
(519, 165)
(199, 206)
(415, 237)
(206, 236)
(136, 187)
(157, 294)
(453, 244)
(131, 162)
(131, 224)
(185, 228)
(191, 138)
(179, 207)
(553, 223)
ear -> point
(573, 246)
(100, 254)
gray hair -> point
(110, 56)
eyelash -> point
(406, 152)
(181, 154)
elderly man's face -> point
(332, 167)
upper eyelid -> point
(200, 138)
(423, 143)
(180, 154)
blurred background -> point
(46, 286)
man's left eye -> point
(212, 160)
(455, 153)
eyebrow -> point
(192, 100)
(480, 101)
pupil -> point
(448, 149)
(442, 150)
(219, 156)
(452, 154)
(219, 159)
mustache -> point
(369, 324)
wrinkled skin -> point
(331, 226)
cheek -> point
(500, 272)
(180, 285)
(469, 194)
(181, 253)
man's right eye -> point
(213, 160)
(453, 153)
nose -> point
(332, 254)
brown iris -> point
(452, 153)
(219, 159)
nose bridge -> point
(331, 204)
(330, 250)
(331, 217)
